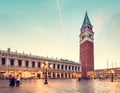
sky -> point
(51, 28)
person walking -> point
(12, 82)
(18, 81)
(10, 78)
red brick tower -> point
(86, 47)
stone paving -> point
(61, 86)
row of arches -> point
(40, 74)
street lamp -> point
(46, 66)
(112, 76)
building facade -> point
(29, 66)
(86, 47)
(107, 73)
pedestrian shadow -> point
(2, 87)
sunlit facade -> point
(30, 66)
(105, 73)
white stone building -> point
(29, 66)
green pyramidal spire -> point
(86, 20)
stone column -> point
(60, 75)
(59, 66)
(70, 75)
(16, 62)
(23, 63)
(7, 64)
(15, 66)
(55, 75)
(51, 75)
(7, 61)
(30, 63)
(63, 75)
(7, 73)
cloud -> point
(60, 15)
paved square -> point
(61, 86)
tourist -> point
(79, 79)
(12, 81)
(18, 81)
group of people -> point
(14, 81)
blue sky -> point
(52, 27)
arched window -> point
(78, 68)
(72, 67)
(11, 62)
(39, 64)
(65, 67)
(26, 63)
(75, 68)
(3, 61)
(19, 62)
(53, 66)
(62, 66)
(33, 64)
(58, 66)
(69, 67)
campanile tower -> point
(86, 46)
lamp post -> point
(46, 66)
(46, 81)
(112, 76)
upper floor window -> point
(33, 64)
(78, 68)
(75, 68)
(62, 66)
(58, 66)
(11, 62)
(39, 64)
(69, 67)
(19, 63)
(3, 61)
(26, 63)
(53, 66)
(65, 67)
(72, 67)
